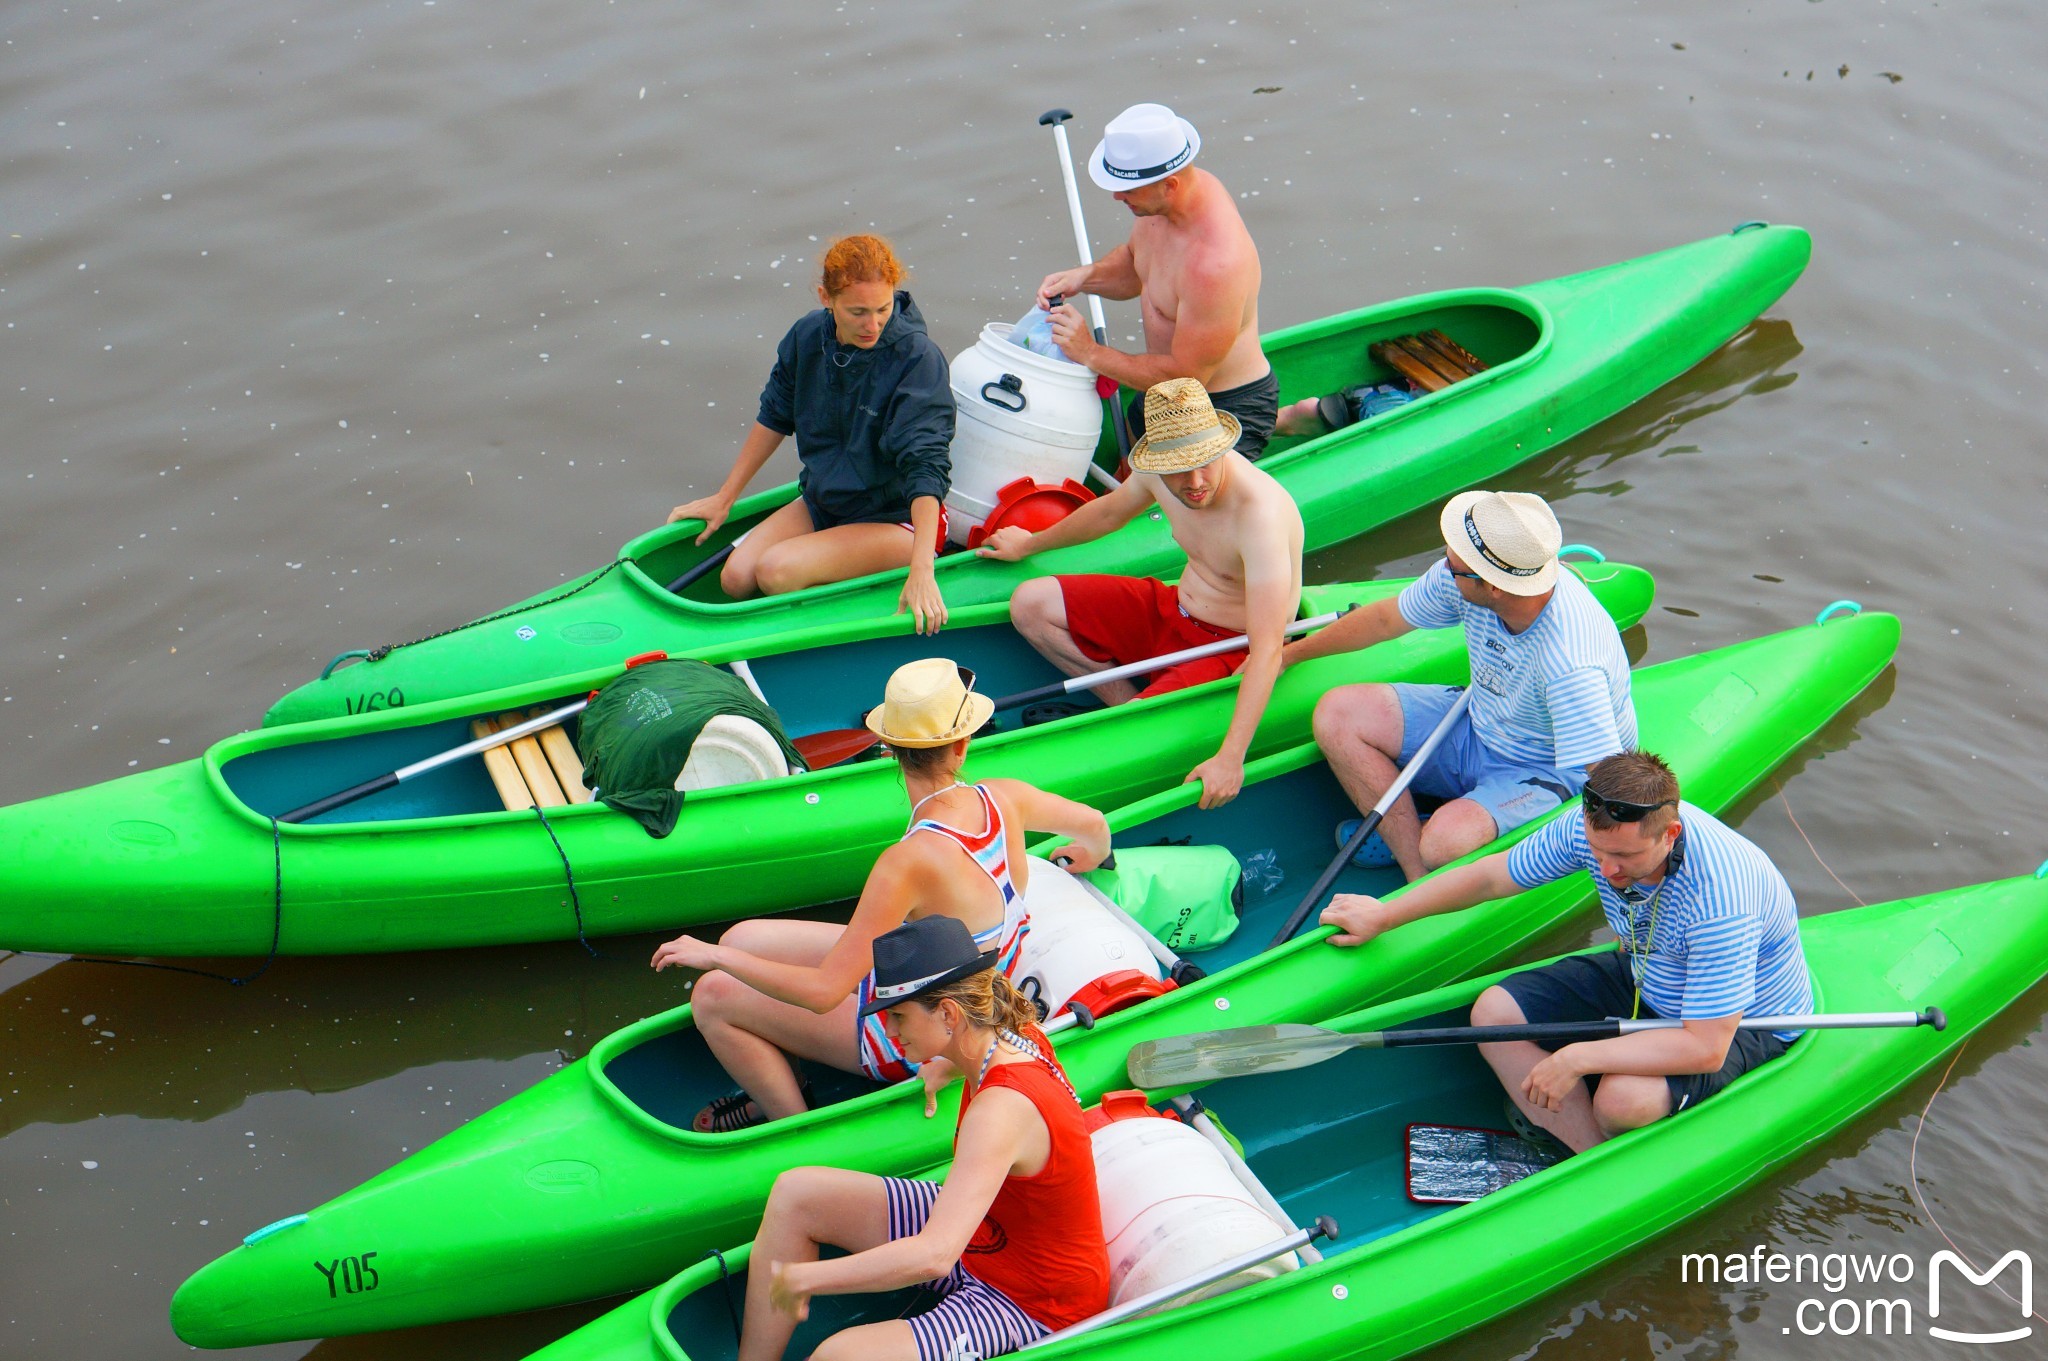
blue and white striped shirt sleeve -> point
(1431, 601)
(1581, 717)
(1720, 966)
(1551, 852)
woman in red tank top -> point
(1012, 1242)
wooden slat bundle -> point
(1431, 360)
(540, 768)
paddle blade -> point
(1184, 1060)
(822, 749)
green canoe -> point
(438, 861)
(590, 1183)
(1330, 1140)
(1564, 355)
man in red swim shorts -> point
(1242, 534)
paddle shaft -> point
(1324, 1227)
(1181, 1060)
(1151, 664)
(1372, 820)
(434, 762)
(704, 567)
(1056, 119)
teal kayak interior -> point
(1283, 825)
(1330, 1139)
(811, 690)
(1497, 325)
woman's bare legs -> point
(752, 1034)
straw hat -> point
(1182, 431)
(1142, 145)
(929, 704)
(1510, 538)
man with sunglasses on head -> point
(1550, 689)
(1708, 933)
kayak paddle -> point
(1183, 1060)
(704, 568)
(853, 741)
(1371, 820)
(1056, 119)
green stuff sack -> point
(1187, 896)
(637, 734)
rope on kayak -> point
(725, 1282)
(1809, 843)
(383, 650)
(276, 933)
(569, 874)
(1913, 1181)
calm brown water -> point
(330, 325)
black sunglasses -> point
(1621, 810)
(967, 692)
(1457, 575)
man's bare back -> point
(1207, 256)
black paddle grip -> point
(1052, 117)
(349, 795)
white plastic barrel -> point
(731, 750)
(1171, 1209)
(1043, 425)
(1073, 940)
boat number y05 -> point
(348, 1275)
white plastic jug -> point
(1073, 940)
(1172, 1208)
(1021, 415)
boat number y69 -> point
(348, 1275)
(373, 700)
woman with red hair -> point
(865, 392)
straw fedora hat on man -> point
(1182, 431)
(929, 704)
(1510, 538)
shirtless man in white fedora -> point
(1550, 688)
(1242, 533)
(1193, 268)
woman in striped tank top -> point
(777, 990)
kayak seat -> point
(1430, 360)
(538, 769)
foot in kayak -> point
(729, 1113)
(1373, 854)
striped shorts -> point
(971, 1320)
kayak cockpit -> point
(812, 690)
(1503, 330)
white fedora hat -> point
(1510, 538)
(1142, 145)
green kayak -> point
(1563, 356)
(439, 861)
(590, 1183)
(1331, 1140)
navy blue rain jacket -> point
(872, 426)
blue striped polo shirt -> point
(1726, 932)
(1557, 693)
